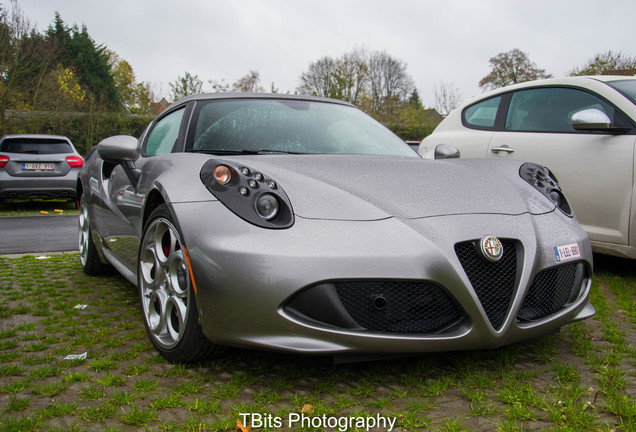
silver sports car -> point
(301, 224)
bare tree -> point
(319, 80)
(447, 97)
(608, 63)
(18, 61)
(351, 75)
(250, 83)
(389, 80)
(511, 67)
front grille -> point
(551, 290)
(494, 282)
(399, 306)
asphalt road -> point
(27, 234)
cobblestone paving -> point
(581, 379)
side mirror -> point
(123, 150)
(118, 148)
(446, 151)
(591, 119)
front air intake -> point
(399, 306)
(552, 290)
(494, 282)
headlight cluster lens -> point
(543, 180)
(267, 206)
(222, 174)
(252, 195)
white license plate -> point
(38, 166)
(567, 252)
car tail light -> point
(3, 160)
(75, 161)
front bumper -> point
(247, 278)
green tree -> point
(608, 63)
(415, 101)
(511, 67)
(133, 95)
(219, 86)
(90, 61)
(185, 85)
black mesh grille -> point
(494, 282)
(551, 290)
(399, 306)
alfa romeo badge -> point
(491, 248)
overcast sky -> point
(443, 40)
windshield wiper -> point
(240, 152)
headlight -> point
(252, 195)
(267, 206)
(222, 174)
(543, 180)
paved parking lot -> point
(26, 234)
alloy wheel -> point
(164, 283)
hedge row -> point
(412, 132)
(86, 129)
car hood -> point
(363, 187)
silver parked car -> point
(301, 224)
(583, 128)
(38, 166)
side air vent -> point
(552, 290)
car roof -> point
(609, 78)
(584, 80)
(239, 95)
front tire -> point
(166, 295)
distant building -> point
(158, 107)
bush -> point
(84, 129)
(87, 129)
(411, 132)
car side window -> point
(550, 109)
(482, 114)
(164, 135)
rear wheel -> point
(89, 257)
(166, 294)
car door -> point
(126, 199)
(595, 169)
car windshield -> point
(626, 87)
(248, 126)
(35, 146)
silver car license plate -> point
(38, 166)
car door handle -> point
(503, 148)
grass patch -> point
(581, 379)
(34, 207)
